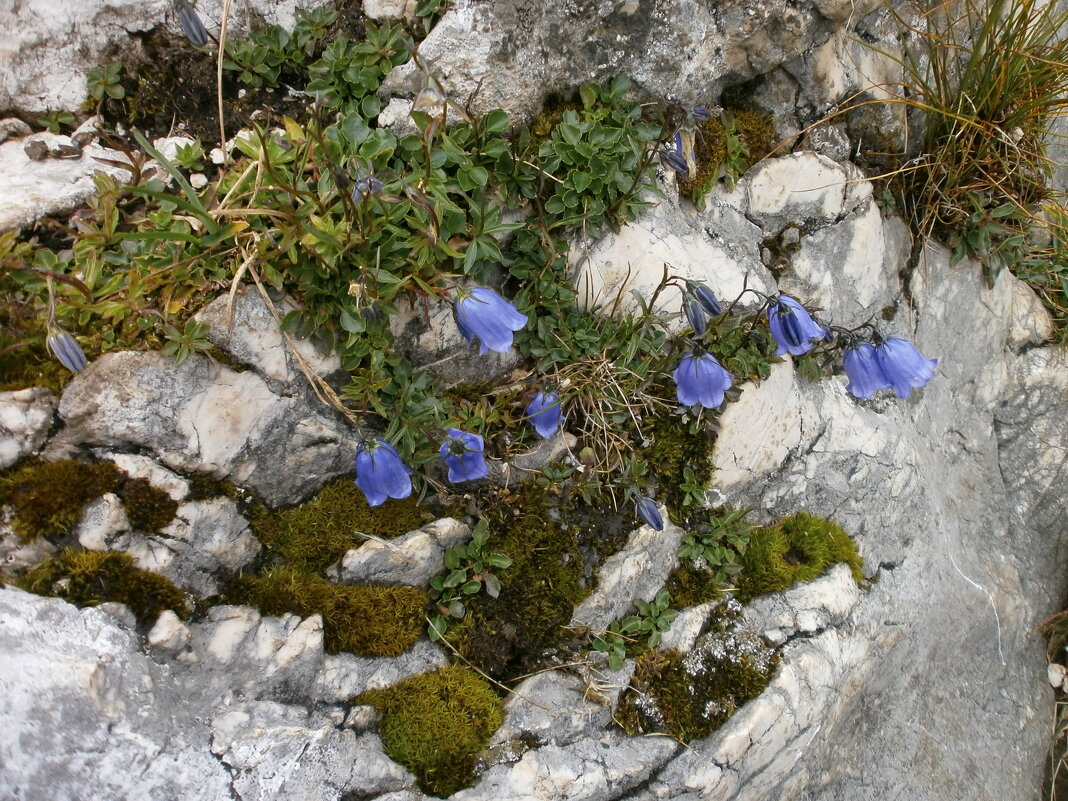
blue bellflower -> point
(706, 297)
(695, 314)
(865, 376)
(66, 349)
(903, 367)
(793, 327)
(380, 473)
(701, 380)
(648, 511)
(485, 315)
(365, 187)
(192, 27)
(462, 454)
(545, 413)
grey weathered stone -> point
(718, 246)
(206, 542)
(86, 715)
(25, 420)
(101, 523)
(32, 189)
(246, 329)
(344, 676)
(638, 570)
(514, 53)
(413, 558)
(169, 635)
(202, 416)
(277, 751)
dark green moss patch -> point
(317, 533)
(436, 724)
(48, 497)
(203, 487)
(147, 508)
(364, 620)
(88, 578)
(674, 448)
(504, 636)
(796, 549)
(691, 695)
(690, 585)
(755, 129)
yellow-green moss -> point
(754, 128)
(147, 508)
(314, 535)
(48, 497)
(798, 548)
(436, 724)
(364, 620)
(88, 578)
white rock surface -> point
(25, 419)
(31, 189)
(412, 559)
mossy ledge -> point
(691, 695)
(312, 536)
(88, 578)
(365, 620)
(48, 497)
(436, 724)
(798, 548)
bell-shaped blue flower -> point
(701, 380)
(648, 511)
(462, 453)
(192, 27)
(695, 314)
(483, 314)
(380, 473)
(904, 367)
(865, 376)
(706, 297)
(793, 327)
(66, 349)
(365, 187)
(545, 413)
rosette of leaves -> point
(468, 573)
(599, 155)
(645, 628)
(719, 543)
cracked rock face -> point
(203, 416)
(25, 419)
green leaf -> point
(497, 559)
(455, 578)
(437, 628)
(471, 587)
(496, 121)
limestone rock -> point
(25, 420)
(274, 750)
(413, 558)
(31, 189)
(344, 676)
(717, 246)
(204, 416)
(247, 331)
(101, 523)
(638, 570)
(514, 53)
(86, 715)
(169, 635)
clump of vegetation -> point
(798, 548)
(48, 497)
(88, 578)
(364, 620)
(637, 632)
(312, 536)
(678, 447)
(726, 145)
(691, 695)
(147, 508)
(989, 79)
(436, 724)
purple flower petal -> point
(701, 381)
